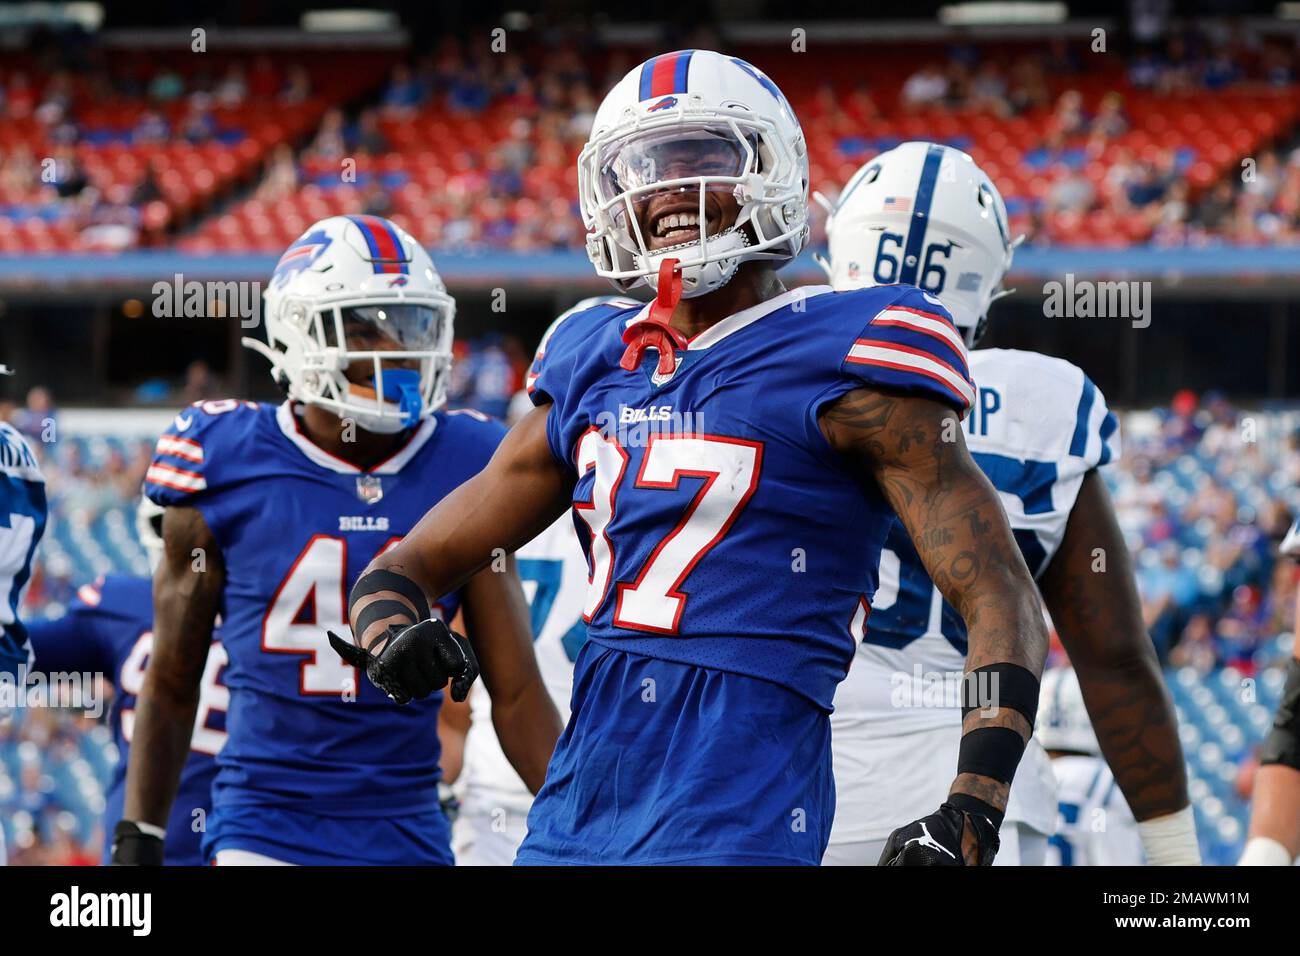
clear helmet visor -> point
(390, 327)
(643, 165)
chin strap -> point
(654, 330)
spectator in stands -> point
(1110, 121)
(1068, 119)
(366, 136)
(924, 89)
(200, 383)
(151, 127)
(376, 201)
(232, 88)
(405, 92)
(297, 86)
(198, 126)
(1215, 208)
(166, 85)
(988, 90)
(69, 178)
(329, 142)
(38, 419)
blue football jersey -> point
(296, 527)
(729, 548)
(722, 530)
(109, 630)
(22, 521)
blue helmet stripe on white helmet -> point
(673, 68)
(921, 214)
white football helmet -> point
(1063, 722)
(360, 289)
(691, 123)
(148, 526)
(923, 214)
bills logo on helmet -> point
(398, 280)
(667, 103)
(301, 255)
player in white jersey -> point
(1095, 826)
(494, 802)
(23, 512)
(926, 214)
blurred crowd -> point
(514, 189)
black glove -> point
(936, 840)
(415, 661)
(133, 847)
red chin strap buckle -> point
(654, 331)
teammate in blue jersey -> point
(109, 630)
(23, 512)
(272, 512)
(732, 454)
(1040, 430)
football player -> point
(733, 454)
(1095, 826)
(1274, 835)
(23, 511)
(494, 802)
(1040, 430)
(272, 512)
(109, 630)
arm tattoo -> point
(913, 450)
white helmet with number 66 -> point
(923, 214)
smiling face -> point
(670, 216)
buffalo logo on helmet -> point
(301, 255)
(667, 103)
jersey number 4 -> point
(654, 601)
(310, 601)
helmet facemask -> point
(384, 365)
(645, 171)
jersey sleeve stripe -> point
(1109, 425)
(922, 353)
(1079, 441)
(920, 363)
(89, 595)
(933, 328)
(176, 447)
(175, 478)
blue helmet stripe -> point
(682, 69)
(921, 214)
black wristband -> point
(377, 611)
(374, 581)
(133, 847)
(991, 752)
(975, 806)
(1001, 685)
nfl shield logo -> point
(369, 489)
(656, 379)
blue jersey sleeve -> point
(552, 372)
(196, 454)
(912, 346)
(79, 641)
